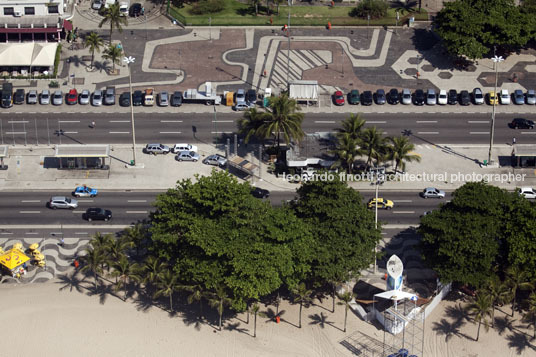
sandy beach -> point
(59, 319)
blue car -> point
(84, 191)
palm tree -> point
(251, 124)
(400, 151)
(530, 315)
(113, 53)
(345, 298)
(334, 283)
(480, 308)
(516, 279)
(283, 119)
(167, 284)
(92, 262)
(135, 234)
(256, 4)
(497, 293)
(124, 270)
(302, 296)
(152, 268)
(373, 145)
(116, 19)
(346, 152)
(255, 310)
(218, 299)
(100, 241)
(197, 294)
(117, 248)
(94, 42)
(353, 126)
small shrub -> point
(375, 8)
(54, 84)
(207, 7)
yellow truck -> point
(149, 97)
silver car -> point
(62, 202)
(431, 98)
(163, 99)
(96, 100)
(84, 97)
(406, 96)
(109, 97)
(519, 97)
(45, 97)
(240, 97)
(216, 160)
(57, 98)
(531, 97)
(478, 96)
(432, 192)
(32, 97)
(187, 156)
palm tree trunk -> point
(534, 326)
(492, 315)
(255, 326)
(200, 309)
(125, 291)
(247, 309)
(333, 296)
(345, 316)
(513, 303)
(171, 301)
(111, 30)
(300, 312)
(220, 311)
(478, 331)
(95, 276)
(92, 57)
(256, 8)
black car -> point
(380, 96)
(94, 214)
(251, 97)
(260, 193)
(452, 97)
(176, 99)
(137, 98)
(135, 10)
(465, 98)
(124, 99)
(367, 98)
(521, 123)
(418, 97)
(19, 96)
(393, 96)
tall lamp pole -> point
(288, 50)
(496, 61)
(129, 60)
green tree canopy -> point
(472, 27)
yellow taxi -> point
(493, 99)
(381, 202)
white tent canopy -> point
(396, 295)
(28, 54)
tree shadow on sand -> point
(321, 320)
(458, 315)
(73, 281)
(520, 341)
(236, 327)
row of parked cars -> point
(184, 152)
(430, 97)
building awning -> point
(242, 164)
(4, 149)
(28, 54)
(30, 30)
(67, 25)
(524, 150)
(82, 150)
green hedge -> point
(57, 60)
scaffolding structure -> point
(403, 335)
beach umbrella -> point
(34, 246)
(13, 258)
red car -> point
(72, 97)
(338, 98)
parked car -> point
(406, 96)
(156, 149)
(465, 98)
(240, 97)
(381, 203)
(528, 192)
(84, 98)
(260, 192)
(531, 97)
(251, 97)
(353, 97)
(176, 99)
(62, 202)
(32, 97)
(96, 5)
(367, 98)
(432, 192)
(519, 97)
(380, 97)
(57, 97)
(338, 98)
(522, 123)
(19, 96)
(96, 100)
(97, 214)
(84, 191)
(492, 98)
(478, 96)
(187, 156)
(216, 160)
(163, 99)
(124, 99)
(238, 107)
(137, 98)
(44, 99)
(109, 96)
(505, 96)
(183, 147)
(431, 98)
(452, 97)
(135, 10)
(393, 96)
(72, 97)
(418, 97)
(442, 98)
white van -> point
(123, 7)
(107, 3)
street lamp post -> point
(368, 25)
(288, 49)
(129, 60)
(397, 18)
(496, 61)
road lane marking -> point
(70, 132)
(170, 132)
(403, 212)
(136, 200)
(428, 132)
(84, 233)
(15, 132)
(6, 233)
(409, 201)
(17, 122)
(171, 121)
(31, 201)
(376, 122)
(223, 121)
(78, 211)
(68, 121)
(426, 121)
(478, 121)
(528, 133)
(325, 121)
(479, 132)
(30, 212)
(119, 121)
(79, 200)
(137, 212)
(221, 132)
(119, 132)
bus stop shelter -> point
(243, 165)
(4, 150)
(82, 157)
(524, 156)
